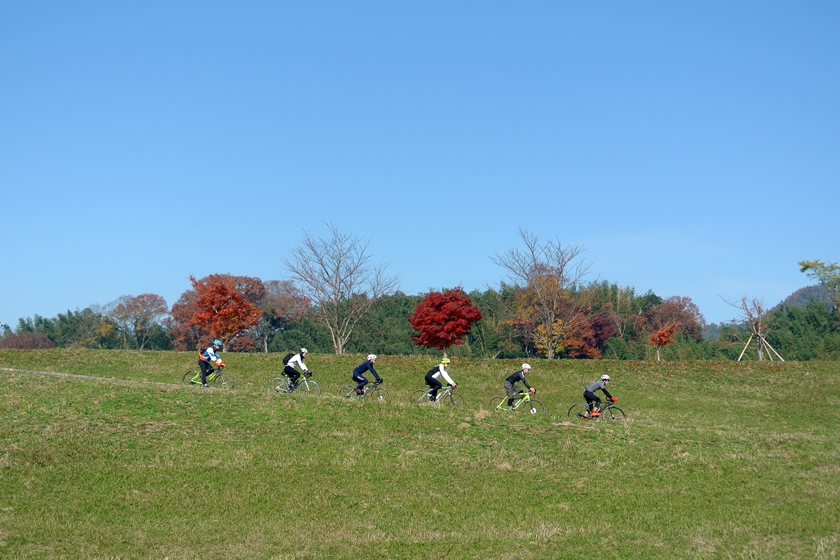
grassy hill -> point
(717, 460)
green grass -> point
(717, 460)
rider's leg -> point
(362, 381)
(206, 369)
(593, 401)
(511, 392)
(435, 386)
(292, 374)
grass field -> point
(717, 460)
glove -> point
(454, 385)
(307, 373)
(221, 364)
(380, 380)
(533, 391)
(613, 399)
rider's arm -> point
(604, 390)
(446, 375)
(373, 371)
(296, 359)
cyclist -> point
(206, 358)
(512, 379)
(592, 399)
(358, 376)
(290, 371)
(432, 378)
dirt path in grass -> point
(87, 377)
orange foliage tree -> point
(662, 338)
(219, 306)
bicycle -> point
(216, 378)
(609, 413)
(519, 402)
(303, 386)
(380, 394)
(446, 395)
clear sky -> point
(691, 148)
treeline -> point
(613, 323)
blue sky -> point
(691, 148)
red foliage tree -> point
(443, 318)
(662, 338)
(222, 310)
(675, 310)
(219, 306)
(26, 341)
(580, 341)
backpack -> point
(287, 357)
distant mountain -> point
(803, 296)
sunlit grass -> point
(717, 460)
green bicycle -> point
(521, 401)
(215, 378)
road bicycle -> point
(303, 386)
(521, 401)
(217, 378)
(609, 413)
(376, 392)
(446, 397)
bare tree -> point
(136, 316)
(337, 276)
(545, 274)
(754, 312)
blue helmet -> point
(217, 342)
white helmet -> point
(371, 357)
(304, 351)
(526, 366)
(605, 378)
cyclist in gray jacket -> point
(592, 399)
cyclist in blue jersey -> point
(206, 358)
(358, 373)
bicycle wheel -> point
(419, 397)
(348, 392)
(224, 381)
(533, 406)
(452, 399)
(378, 394)
(613, 414)
(278, 386)
(577, 411)
(497, 403)
(191, 379)
(308, 388)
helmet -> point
(605, 378)
(371, 357)
(445, 361)
(526, 366)
(217, 342)
(304, 351)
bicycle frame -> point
(349, 391)
(443, 392)
(196, 379)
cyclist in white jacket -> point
(432, 378)
(296, 360)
